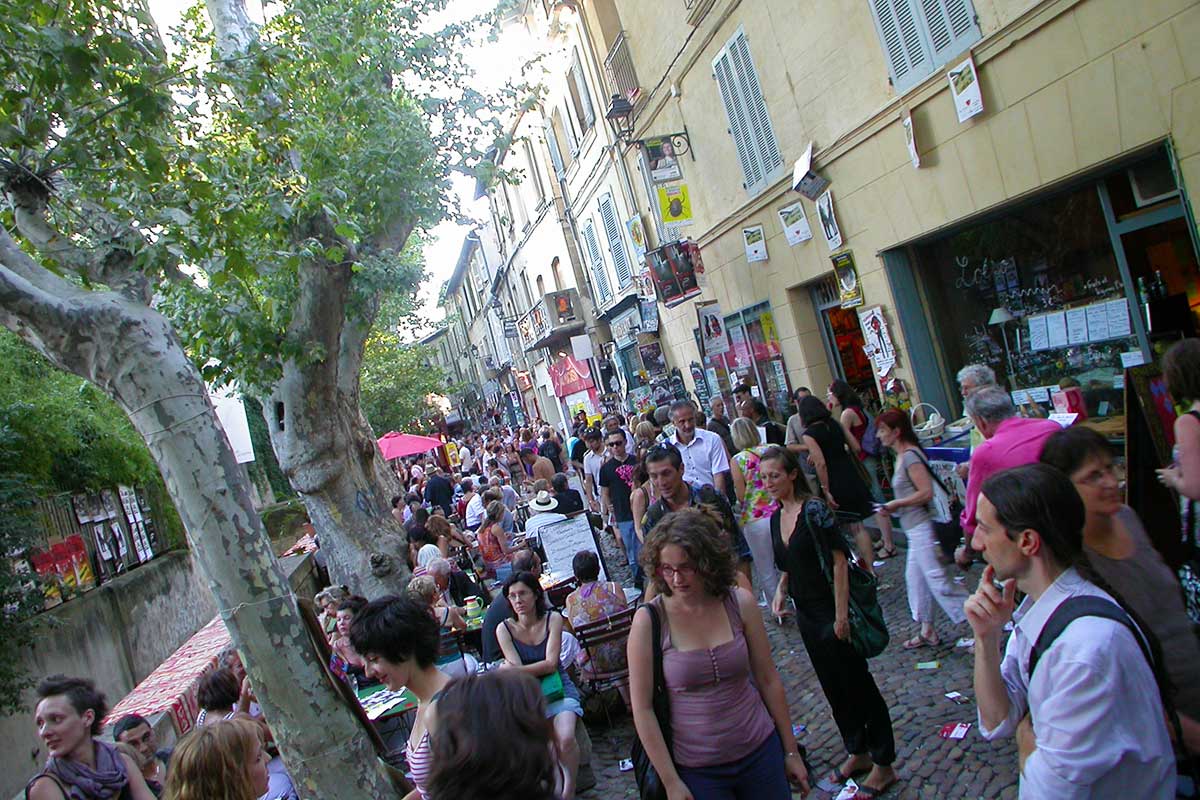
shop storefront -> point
(1058, 295)
(574, 388)
(753, 357)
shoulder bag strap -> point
(1072, 609)
(659, 699)
(932, 473)
(818, 545)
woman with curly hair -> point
(225, 760)
(493, 741)
(730, 726)
(807, 539)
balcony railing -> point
(621, 76)
(555, 314)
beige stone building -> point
(1019, 240)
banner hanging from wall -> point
(847, 277)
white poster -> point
(1056, 329)
(795, 224)
(712, 330)
(1118, 318)
(637, 235)
(878, 347)
(1077, 332)
(964, 87)
(581, 347)
(829, 226)
(910, 139)
(756, 243)
(1039, 335)
(232, 415)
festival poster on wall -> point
(829, 226)
(910, 140)
(878, 338)
(964, 87)
(653, 359)
(642, 399)
(662, 160)
(649, 315)
(674, 204)
(637, 235)
(847, 277)
(795, 224)
(712, 330)
(675, 267)
(769, 333)
(756, 243)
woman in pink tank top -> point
(730, 726)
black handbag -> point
(650, 785)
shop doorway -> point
(843, 339)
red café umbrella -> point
(398, 445)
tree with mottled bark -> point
(253, 191)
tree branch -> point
(235, 32)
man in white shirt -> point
(542, 512)
(704, 458)
(468, 458)
(593, 460)
(1089, 722)
(476, 510)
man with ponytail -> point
(1084, 676)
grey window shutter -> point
(585, 96)
(905, 47)
(739, 121)
(760, 122)
(555, 155)
(599, 273)
(616, 242)
(952, 27)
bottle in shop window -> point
(1160, 286)
(1143, 296)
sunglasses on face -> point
(620, 443)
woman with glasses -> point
(807, 540)
(731, 732)
(1119, 550)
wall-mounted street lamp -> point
(620, 119)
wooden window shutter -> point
(599, 272)
(581, 88)
(616, 242)
(952, 27)
(763, 134)
(552, 141)
(738, 115)
(905, 48)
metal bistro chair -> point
(613, 629)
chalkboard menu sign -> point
(562, 540)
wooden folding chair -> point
(611, 629)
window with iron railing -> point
(621, 76)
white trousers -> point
(758, 536)
(927, 580)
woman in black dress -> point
(800, 525)
(842, 485)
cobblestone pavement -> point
(929, 766)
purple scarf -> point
(82, 782)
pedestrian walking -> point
(1181, 367)
(924, 575)
(757, 505)
(805, 535)
(731, 731)
(846, 407)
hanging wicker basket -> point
(933, 426)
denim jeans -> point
(632, 548)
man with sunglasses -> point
(664, 464)
(616, 485)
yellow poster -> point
(769, 334)
(674, 204)
(452, 454)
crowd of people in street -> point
(1083, 639)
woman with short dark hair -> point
(344, 662)
(69, 715)
(493, 741)
(731, 731)
(398, 640)
(593, 601)
(531, 642)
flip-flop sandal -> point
(920, 641)
(836, 779)
(886, 552)
(870, 793)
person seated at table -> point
(543, 510)
(344, 662)
(445, 535)
(499, 610)
(569, 500)
(591, 602)
(226, 759)
(399, 641)
(222, 697)
(134, 730)
(453, 585)
(450, 659)
(328, 600)
(492, 740)
(422, 548)
(68, 715)
(495, 547)
(532, 642)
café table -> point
(390, 711)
